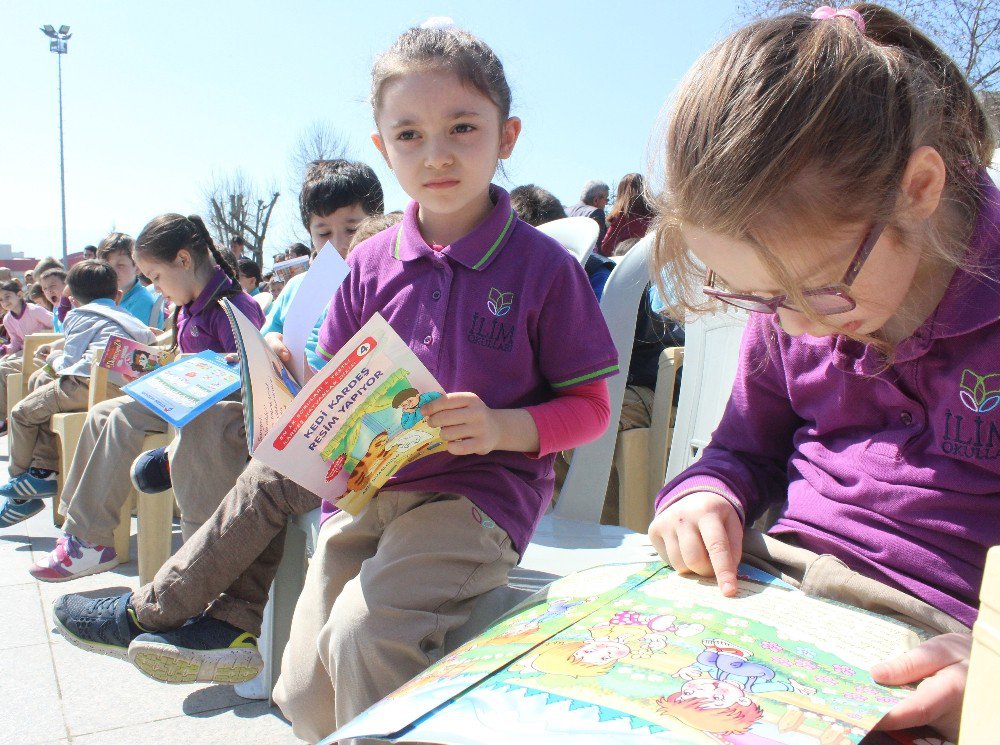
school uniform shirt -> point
(203, 324)
(505, 312)
(33, 318)
(141, 302)
(895, 471)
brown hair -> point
(630, 199)
(115, 243)
(164, 237)
(11, 285)
(794, 124)
(452, 49)
(733, 720)
(373, 225)
(92, 279)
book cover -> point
(357, 421)
(285, 270)
(639, 653)
(185, 388)
(131, 359)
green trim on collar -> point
(399, 242)
(510, 220)
(588, 376)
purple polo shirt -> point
(505, 312)
(895, 471)
(203, 324)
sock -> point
(42, 473)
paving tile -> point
(32, 712)
(21, 616)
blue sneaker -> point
(203, 650)
(102, 625)
(14, 511)
(29, 486)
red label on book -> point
(305, 412)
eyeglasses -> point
(823, 301)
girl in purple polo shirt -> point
(506, 320)
(178, 255)
(829, 171)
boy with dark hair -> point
(536, 205)
(136, 299)
(218, 577)
(34, 456)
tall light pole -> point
(60, 47)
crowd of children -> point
(851, 216)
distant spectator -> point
(37, 296)
(5, 275)
(237, 245)
(631, 215)
(623, 246)
(592, 202)
(250, 276)
(29, 278)
(49, 262)
(90, 252)
(535, 205)
(296, 250)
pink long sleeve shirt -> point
(33, 318)
(895, 471)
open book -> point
(351, 426)
(638, 653)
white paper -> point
(321, 281)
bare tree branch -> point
(236, 208)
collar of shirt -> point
(136, 287)
(218, 281)
(475, 250)
(105, 301)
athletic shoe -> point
(203, 650)
(30, 486)
(14, 511)
(73, 557)
(101, 625)
(151, 471)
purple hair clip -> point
(826, 12)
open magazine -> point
(285, 270)
(638, 653)
(352, 426)
(132, 359)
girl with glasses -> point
(828, 172)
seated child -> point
(22, 318)
(177, 253)
(34, 453)
(53, 284)
(37, 296)
(250, 276)
(855, 220)
(137, 299)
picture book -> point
(639, 653)
(183, 389)
(285, 270)
(131, 359)
(356, 422)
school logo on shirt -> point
(490, 331)
(974, 436)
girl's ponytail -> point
(224, 260)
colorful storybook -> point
(285, 270)
(352, 426)
(131, 359)
(185, 388)
(638, 653)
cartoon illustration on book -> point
(130, 359)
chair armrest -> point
(661, 424)
(980, 715)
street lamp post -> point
(60, 47)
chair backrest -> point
(264, 300)
(582, 494)
(98, 388)
(711, 356)
(578, 235)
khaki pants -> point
(228, 565)
(381, 592)
(11, 364)
(827, 576)
(208, 455)
(98, 484)
(32, 443)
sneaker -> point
(101, 625)
(74, 557)
(151, 472)
(203, 650)
(14, 511)
(30, 486)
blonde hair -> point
(795, 126)
(557, 658)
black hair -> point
(332, 184)
(298, 249)
(92, 279)
(250, 268)
(535, 205)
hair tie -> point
(825, 13)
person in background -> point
(592, 202)
(90, 252)
(116, 249)
(250, 276)
(631, 215)
(237, 247)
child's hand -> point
(276, 342)
(467, 424)
(941, 665)
(43, 351)
(700, 533)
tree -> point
(968, 30)
(237, 208)
(318, 141)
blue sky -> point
(159, 98)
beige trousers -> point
(381, 592)
(11, 364)
(32, 443)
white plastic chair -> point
(578, 235)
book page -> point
(182, 390)
(357, 421)
(131, 359)
(285, 270)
